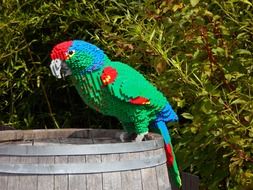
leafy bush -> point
(198, 53)
(31, 97)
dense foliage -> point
(199, 53)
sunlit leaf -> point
(247, 2)
(194, 2)
(238, 101)
(243, 51)
(187, 116)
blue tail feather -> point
(164, 131)
(168, 115)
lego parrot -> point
(116, 89)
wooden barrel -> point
(80, 159)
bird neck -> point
(95, 67)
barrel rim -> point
(87, 149)
(80, 149)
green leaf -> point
(247, 2)
(152, 36)
(194, 130)
(243, 51)
(218, 51)
(180, 103)
(251, 133)
(187, 116)
(241, 35)
(238, 101)
(194, 2)
(196, 53)
(177, 6)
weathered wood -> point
(105, 141)
(162, 177)
(39, 134)
(62, 141)
(28, 182)
(94, 181)
(83, 133)
(13, 180)
(46, 182)
(162, 174)
(112, 180)
(56, 133)
(53, 148)
(4, 178)
(131, 180)
(61, 181)
(77, 182)
(102, 133)
(148, 175)
(5, 127)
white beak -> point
(55, 67)
(59, 68)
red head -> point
(59, 51)
(59, 55)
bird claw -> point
(122, 137)
(133, 137)
(140, 137)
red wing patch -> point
(109, 75)
(139, 101)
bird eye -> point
(71, 53)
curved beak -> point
(59, 68)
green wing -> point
(131, 86)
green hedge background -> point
(199, 53)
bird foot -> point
(133, 137)
(140, 137)
(122, 137)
